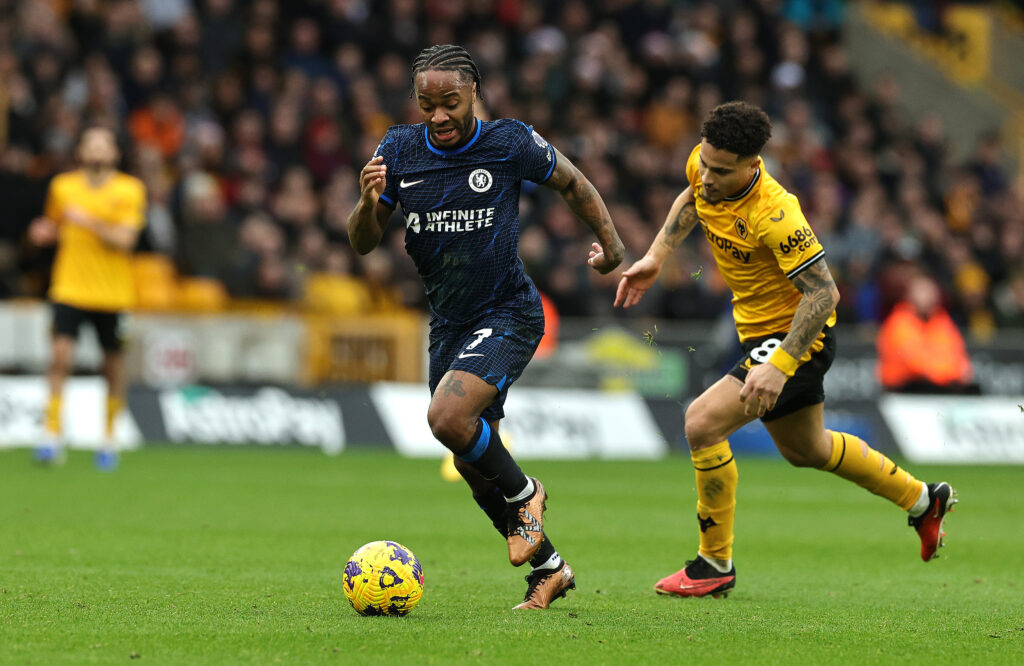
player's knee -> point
(699, 427)
(60, 364)
(449, 427)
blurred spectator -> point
(920, 349)
(1009, 301)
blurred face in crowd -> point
(722, 173)
(97, 149)
(445, 101)
(923, 294)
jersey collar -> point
(440, 151)
(746, 190)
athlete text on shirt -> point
(452, 220)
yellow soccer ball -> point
(383, 578)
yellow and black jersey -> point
(761, 240)
(87, 273)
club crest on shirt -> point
(539, 140)
(741, 227)
(480, 180)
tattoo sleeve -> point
(586, 203)
(678, 228)
(819, 299)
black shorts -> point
(109, 326)
(806, 386)
(495, 348)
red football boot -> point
(697, 579)
(941, 498)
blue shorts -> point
(495, 348)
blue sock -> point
(491, 459)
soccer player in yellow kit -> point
(784, 302)
(94, 214)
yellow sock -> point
(716, 499)
(114, 407)
(53, 424)
(855, 461)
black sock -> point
(495, 506)
(543, 553)
(491, 459)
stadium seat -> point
(155, 281)
(337, 294)
(199, 294)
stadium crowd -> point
(249, 121)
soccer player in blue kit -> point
(458, 179)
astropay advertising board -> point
(962, 429)
(539, 423)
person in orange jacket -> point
(920, 349)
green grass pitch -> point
(214, 556)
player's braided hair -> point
(448, 58)
(737, 127)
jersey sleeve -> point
(785, 231)
(537, 157)
(388, 149)
(131, 210)
(692, 173)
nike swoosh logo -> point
(465, 355)
(404, 184)
(782, 214)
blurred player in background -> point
(784, 302)
(458, 179)
(94, 214)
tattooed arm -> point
(679, 222)
(587, 204)
(819, 297)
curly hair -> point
(448, 58)
(737, 127)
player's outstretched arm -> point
(368, 219)
(639, 277)
(818, 298)
(588, 205)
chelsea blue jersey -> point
(461, 212)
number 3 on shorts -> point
(763, 352)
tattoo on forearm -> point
(586, 203)
(454, 387)
(679, 228)
(819, 300)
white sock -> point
(721, 566)
(552, 562)
(522, 494)
(921, 505)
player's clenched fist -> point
(371, 179)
